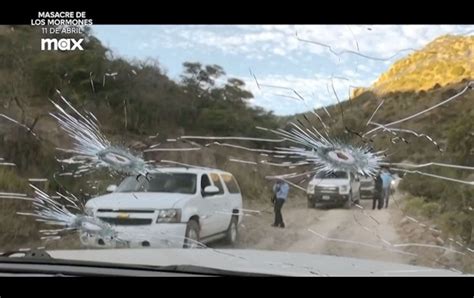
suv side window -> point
(231, 183)
(217, 182)
(204, 182)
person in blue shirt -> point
(280, 190)
(386, 183)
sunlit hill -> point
(448, 59)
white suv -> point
(333, 188)
(173, 207)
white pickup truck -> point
(175, 207)
(337, 188)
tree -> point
(233, 91)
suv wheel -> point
(191, 239)
(232, 231)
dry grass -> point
(431, 216)
(15, 230)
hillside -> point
(446, 60)
(411, 85)
(132, 100)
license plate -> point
(326, 197)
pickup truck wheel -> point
(232, 231)
(191, 239)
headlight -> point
(89, 211)
(393, 182)
(343, 188)
(169, 215)
(310, 189)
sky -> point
(310, 59)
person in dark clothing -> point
(378, 192)
(280, 190)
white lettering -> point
(64, 44)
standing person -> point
(280, 189)
(386, 183)
(378, 192)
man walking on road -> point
(386, 183)
(378, 193)
(280, 189)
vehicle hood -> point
(139, 200)
(254, 261)
(329, 182)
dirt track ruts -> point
(365, 234)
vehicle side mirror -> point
(111, 188)
(210, 190)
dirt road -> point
(361, 233)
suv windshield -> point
(352, 140)
(333, 175)
(184, 183)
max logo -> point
(64, 44)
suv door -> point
(234, 195)
(222, 204)
(209, 218)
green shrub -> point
(414, 205)
(10, 181)
(15, 229)
(431, 210)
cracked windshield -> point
(291, 149)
